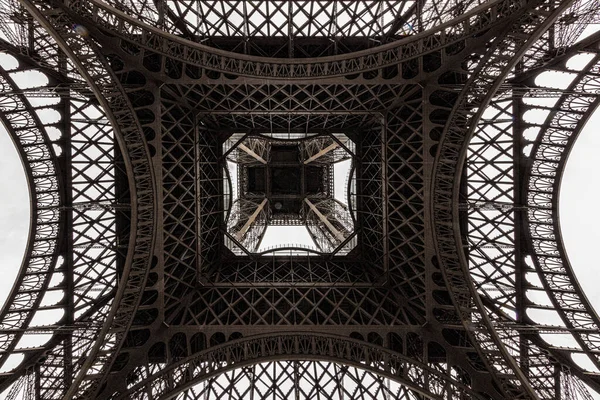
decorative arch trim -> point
(182, 375)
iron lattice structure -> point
(453, 201)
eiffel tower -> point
(184, 129)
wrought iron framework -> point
(283, 181)
(453, 199)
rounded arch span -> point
(299, 380)
(545, 170)
(46, 195)
(450, 159)
(136, 160)
(210, 363)
(453, 31)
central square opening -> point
(286, 180)
(300, 182)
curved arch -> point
(290, 247)
(350, 188)
(546, 167)
(47, 222)
(494, 171)
(461, 28)
(141, 183)
(87, 300)
(448, 167)
(300, 380)
(453, 277)
(182, 375)
(228, 192)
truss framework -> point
(434, 297)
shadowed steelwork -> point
(282, 181)
(187, 128)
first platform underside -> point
(184, 129)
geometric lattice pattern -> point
(302, 380)
(452, 242)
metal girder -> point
(251, 153)
(47, 234)
(301, 347)
(449, 166)
(135, 269)
(544, 173)
(480, 18)
(244, 229)
(321, 153)
(325, 220)
(425, 300)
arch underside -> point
(549, 154)
(298, 379)
(309, 351)
(433, 297)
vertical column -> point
(406, 227)
(385, 196)
(370, 196)
(520, 201)
(179, 162)
(67, 248)
(430, 145)
(208, 198)
(37, 382)
(152, 130)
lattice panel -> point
(101, 81)
(490, 207)
(41, 167)
(299, 380)
(287, 98)
(179, 202)
(558, 131)
(370, 197)
(490, 204)
(93, 182)
(457, 130)
(294, 123)
(384, 20)
(296, 269)
(210, 208)
(405, 202)
(157, 44)
(443, 381)
(390, 282)
(289, 18)
(292, 306)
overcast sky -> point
(14, 213)
(580, 208)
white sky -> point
(580, 208)
(14, 213)
(286, 235)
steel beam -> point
(321, 153)
(240, 234)
(252, 153)
(334, 231)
